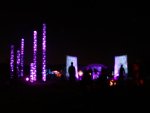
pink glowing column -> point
(31, 72)
(12, 61)
(22, 58)
(44, 53)
(34, 55)
(18, 63)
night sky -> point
(93, 31)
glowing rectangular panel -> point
(70, 59)
(118, 61)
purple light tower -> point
(31, 72)
(12, 61)
(18, 63)
(34, 54)
(44, 53)
(22, 58)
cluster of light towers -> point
(19, 60)
(33, 64)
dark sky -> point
(93, 31)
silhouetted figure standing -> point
(87, 78)
(121, 72)
(102, 80)
(72, 72)
(121, 75)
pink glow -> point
(80, 73)
(27, 79)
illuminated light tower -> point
(12, 61)
(44, 53)
(18, 63)
(34, 54)
(31, 71)
(22, 58)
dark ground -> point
(66, 97)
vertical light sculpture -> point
(44, 53)
(31, 72)
(22, 58)
(12, 61)
(18, 63)
(34, 54)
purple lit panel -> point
(96, 70)
(118, 61)
(18, 63)
(12, 61)
(34, 54)
(22, 58)
(44, 53)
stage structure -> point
(70, 59)
(18, 63)
(96, 70)
(12, 61)
(22, 58)
(120, 60)
(34, 55)
(44, 53)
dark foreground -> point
(66, 97)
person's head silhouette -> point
(121, 70)
(121, 66)
(72, 63)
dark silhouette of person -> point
(103, 78)
(72, 72)
(87, 76)
(121, 72)
(121, 75)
